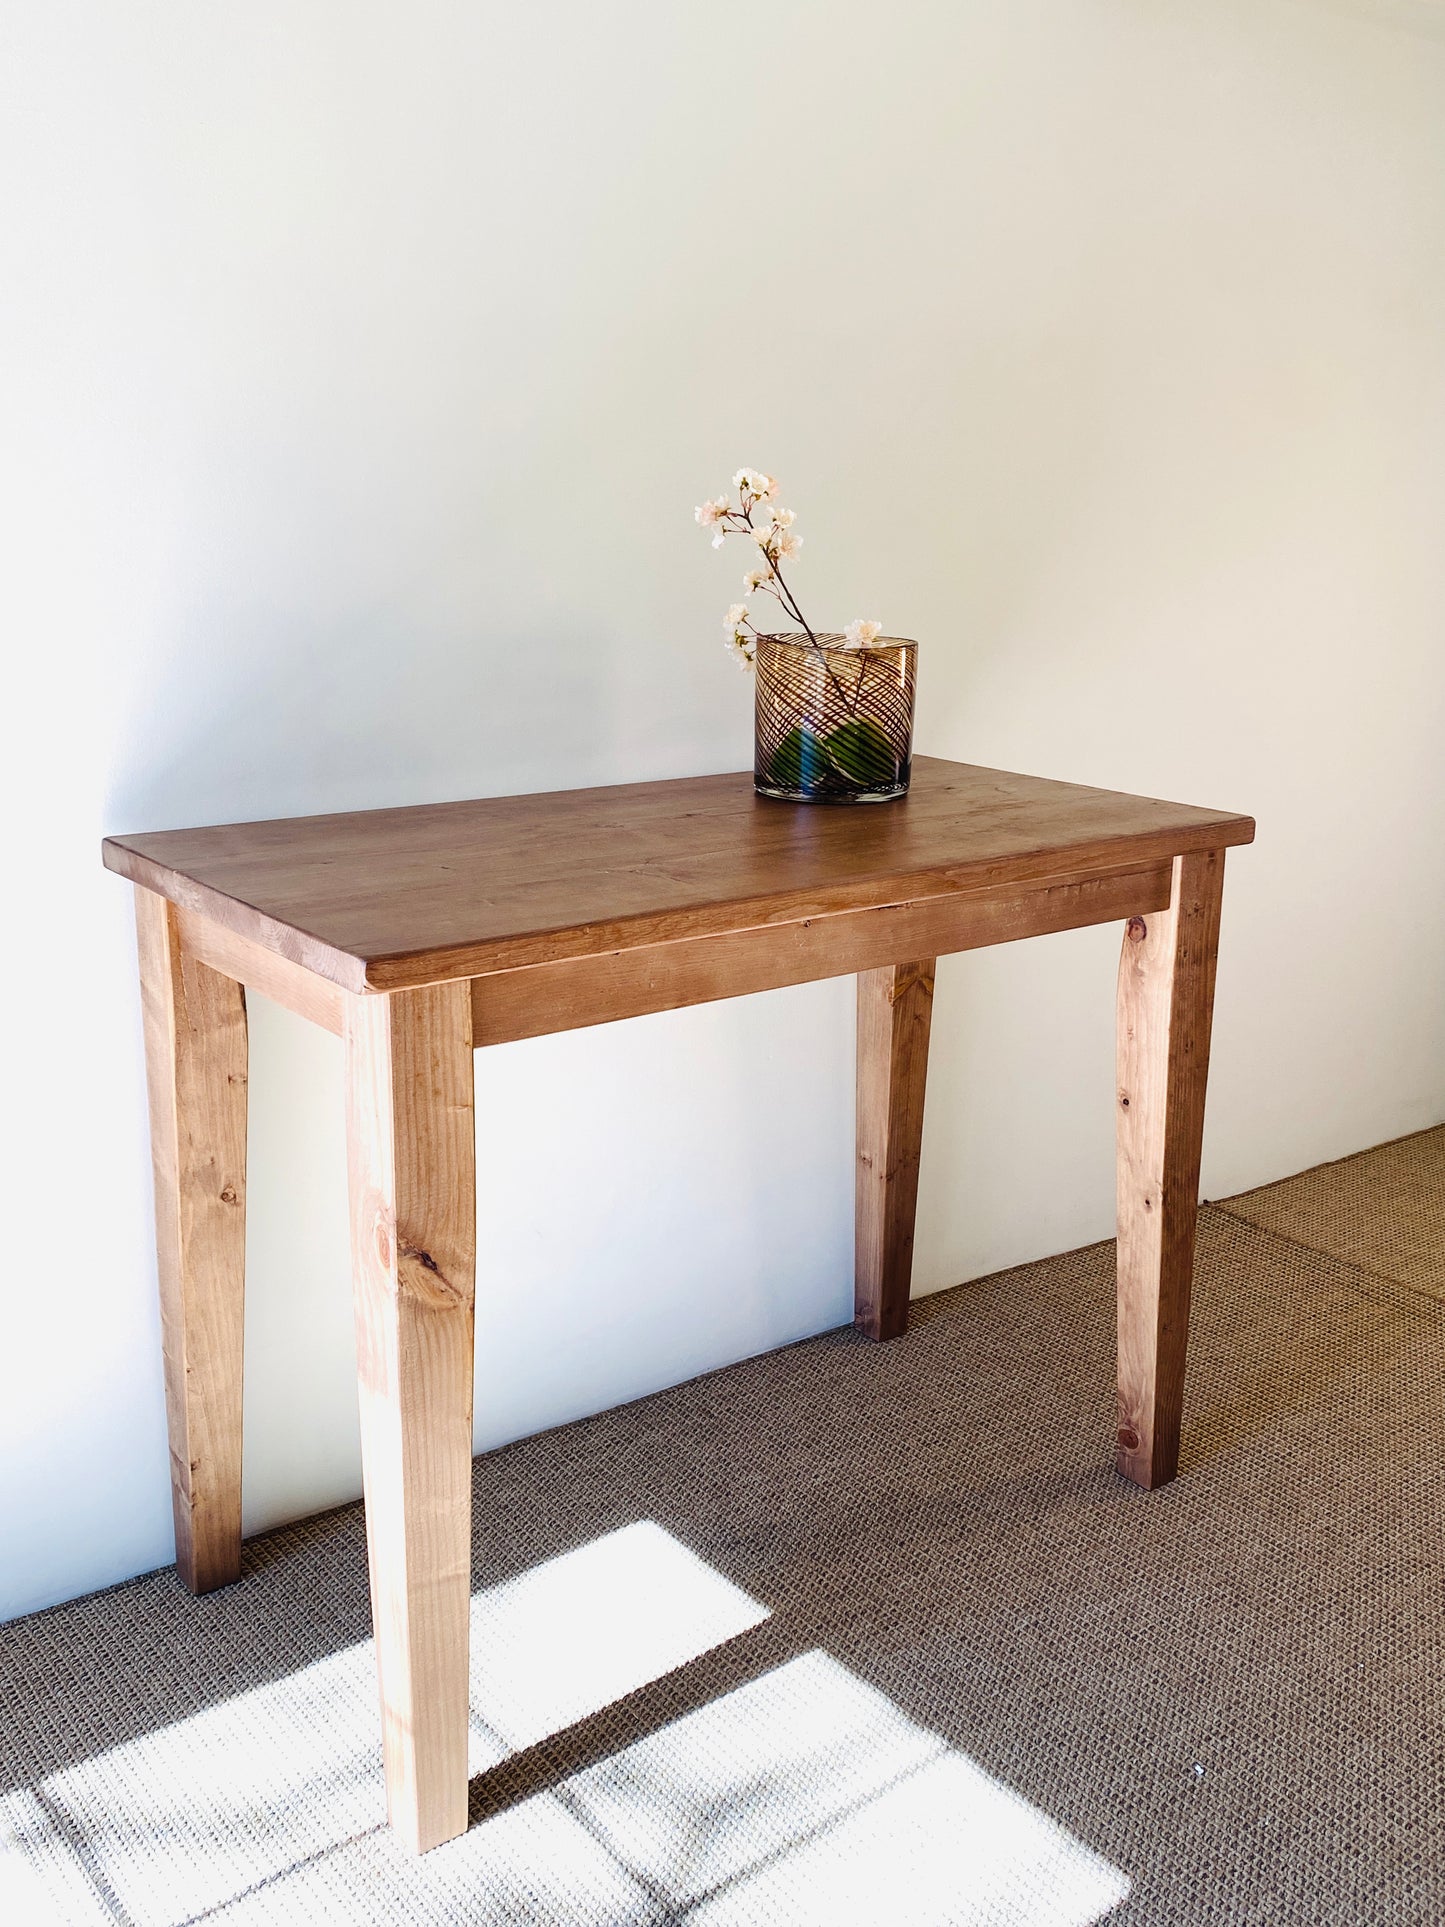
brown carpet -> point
(846, 1634)
(1382, 1209)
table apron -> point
(570, 995)
(289, 984)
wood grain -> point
(411, 1158)
(289, 984)
(895, 1011)
(196, 1063)
(1166, 1002)
(630, 983)
(384, 899)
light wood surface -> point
(535, 1001)
(895, 1011)
(382, 899)
(411, 1157)
(290, 984)
(196, 1052)
(1166, 1002)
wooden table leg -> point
(411, 1155)
(196, 1051)
(1166, 999)
(895, 1008)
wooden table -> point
(419, 935)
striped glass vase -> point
(834, 725)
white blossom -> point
(859, 634)
(752, 482)
(775, 541)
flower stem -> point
(790, 604)
(740, 520)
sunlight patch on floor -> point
(803, 1796)
(807, 1796)
(179, 1820)
(42, 1884)
(583, 1630)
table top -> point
(385, 899)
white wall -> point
(363, 366)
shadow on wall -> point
(360, 713)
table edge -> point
(405, 970)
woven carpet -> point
(1381, 1209)
(846, 1634)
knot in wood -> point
(418, 1273)
(1137, 930)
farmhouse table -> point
(419, 935)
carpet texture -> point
(845, 1634)
(1382, 1209)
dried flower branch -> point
(776, 543)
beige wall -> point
(363, 366)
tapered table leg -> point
(1166, 1001)
(895, 1009)
(411, 1157)
(196, 1052)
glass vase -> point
(833, 724)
